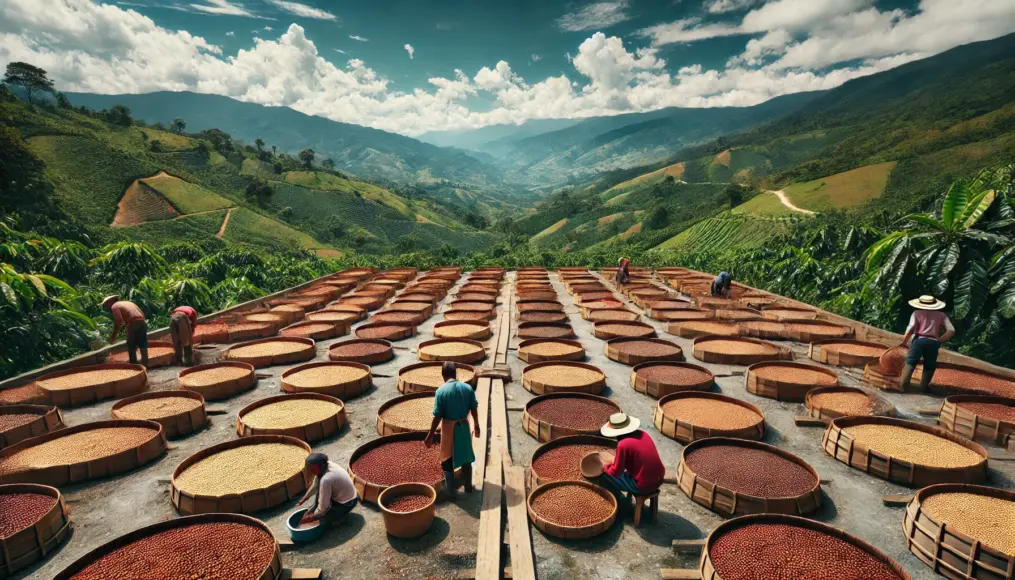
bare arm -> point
(949, 331)
(116, 330)
(905, 337)
(428, 441)
(475, 423)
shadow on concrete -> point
(339, 534)
(667, 527)
(29, 572)
(428, 541)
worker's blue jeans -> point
(619, 485)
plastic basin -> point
(300, 535)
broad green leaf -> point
(976, 208)
(955, 200)
(1006, 302)
(971, 288)
(37, 283)
(928, 221)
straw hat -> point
(108, 301)
(620, 424)
(926, 302)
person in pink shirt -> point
(127, 316)
(636, 468)
(929, 327)
(182, 323)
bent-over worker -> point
(929, 328)
(623, 271)
(453, 402)
(127, 316)
(636, 468)
(182, 322)
(721, 285)
(336, 494)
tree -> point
(155, 146)
(658, 219)
(735, 193)
(274, 151)
(328, 164)
(119, 115)
(30, 78)
(177, 126)
(259, 191)
(307, 157)
(260, 144)
(277, 168)
(62, 101)
(220, 140)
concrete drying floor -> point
(852, 499)
(105, 509)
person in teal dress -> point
(453, 403)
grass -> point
(550, 230)
(186, 197)
(726, 231)
(170, 141)
(842, 191)
(194, 228)
(763, 204)
(676, 171)
(248, 227)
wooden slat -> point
(522, 561)
(679, 574)
(488, 552)
(479, 444)
(498, 422)
(688, 545)
(301, 573)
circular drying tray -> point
(609, 315)
(528, 330)
(430, 350)
(314, 330)
(470, 314)
(261, 355)
(681, 315)
(360, 312)
(57, 474)
(356, 383)
(608, 330)
(568, 532)
(686, 431)
(370, 491)
(309, 431)
(160, 354)
(400, 317)
(291, 313)
(787, 381)
(121, 380)
(703, 327)
(407, 384)
(252, 500)
(543, 316)
(730, 503)
(634, 351)
(222, 383)
(37, 539)
(390, 426)
(177, 424)
(715, 349)
(581, 445)
(778, 312)
(385, 331)
(470, 306)
(810, 331)
(251, 330)
(764, 329)
(697, 378)
(543, 430)
(425, 309)
(47, 419)
(471, 330)
(528, 350)
(372, 351)
(972, 423)
(342, 319)
(541, 386)
(839, 444)
(876, 406)
(845, 352)
(541, 305)
(367, 302)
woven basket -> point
(571, 532)
(685, 432)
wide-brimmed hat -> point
(109, 301)
(620, 424)
(926, 302)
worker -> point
(127, 316)
(453, 402)
(636, 468)
(721, 285)
(623, 272)
(336, 494)
(182, 323)
(929, 327)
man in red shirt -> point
(127, 315)
(636, 468)
(182, 323)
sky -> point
(412, 66)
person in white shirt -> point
(336, 495)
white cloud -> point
(223, 7)
(596, 16)
(535, 57)
(302, 10)
(409, 49)
(339, 50)
(798, 14)
(687, 30)
(724, 6)
(359, 38)
(230, 33)
(104, 48)
(268, 28)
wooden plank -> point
(498, 420)
(679, 574)
(896, 500)
(301, 573)
(488, 551)
(479, 444)
(522, 561)
(809, 422)
(688, 546)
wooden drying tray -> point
(176, 425)
(48, 419)
(657, 389)
(768, 330)
(601, 330)
(613, 351)
(480, 329)
(397, 332)
(543, 317)
(949, 552)
(162, 360)
(703, 353)
(406, 386)
(340, 389)
(738, 314)
(808, 331)
(675, 428)
(783, 390)
(309, 432)
(681, 315)
(34, 542)
(881, 407)
(544, 431)
(841, 446)
(399, 317)
(537, 295)
(962, 421)
(222, 389)
(387, 428)
(369, 491)
(382, 356)
(704, 327)
(455, 314)
(730, 503)
(306, 352)
(818, 352)
(78, 396)
(706, 569)
(291, 313)
(117, 463)
(571, 532)
(530, 357)
(471, 357)
(533, 480)
(618, 314)
(249, 501)
(273, 571)
(559, 330)
(342, 319)
(322, 330)
(425, 309)
(539, 388)
(541, 305)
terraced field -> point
(727, 230)
(186, 197)
(843, 190)
(248, 227)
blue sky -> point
(412, 66)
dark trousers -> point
(921, 349)
(448, 467)
(183, 338)
(336, 512)
(137, 339)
